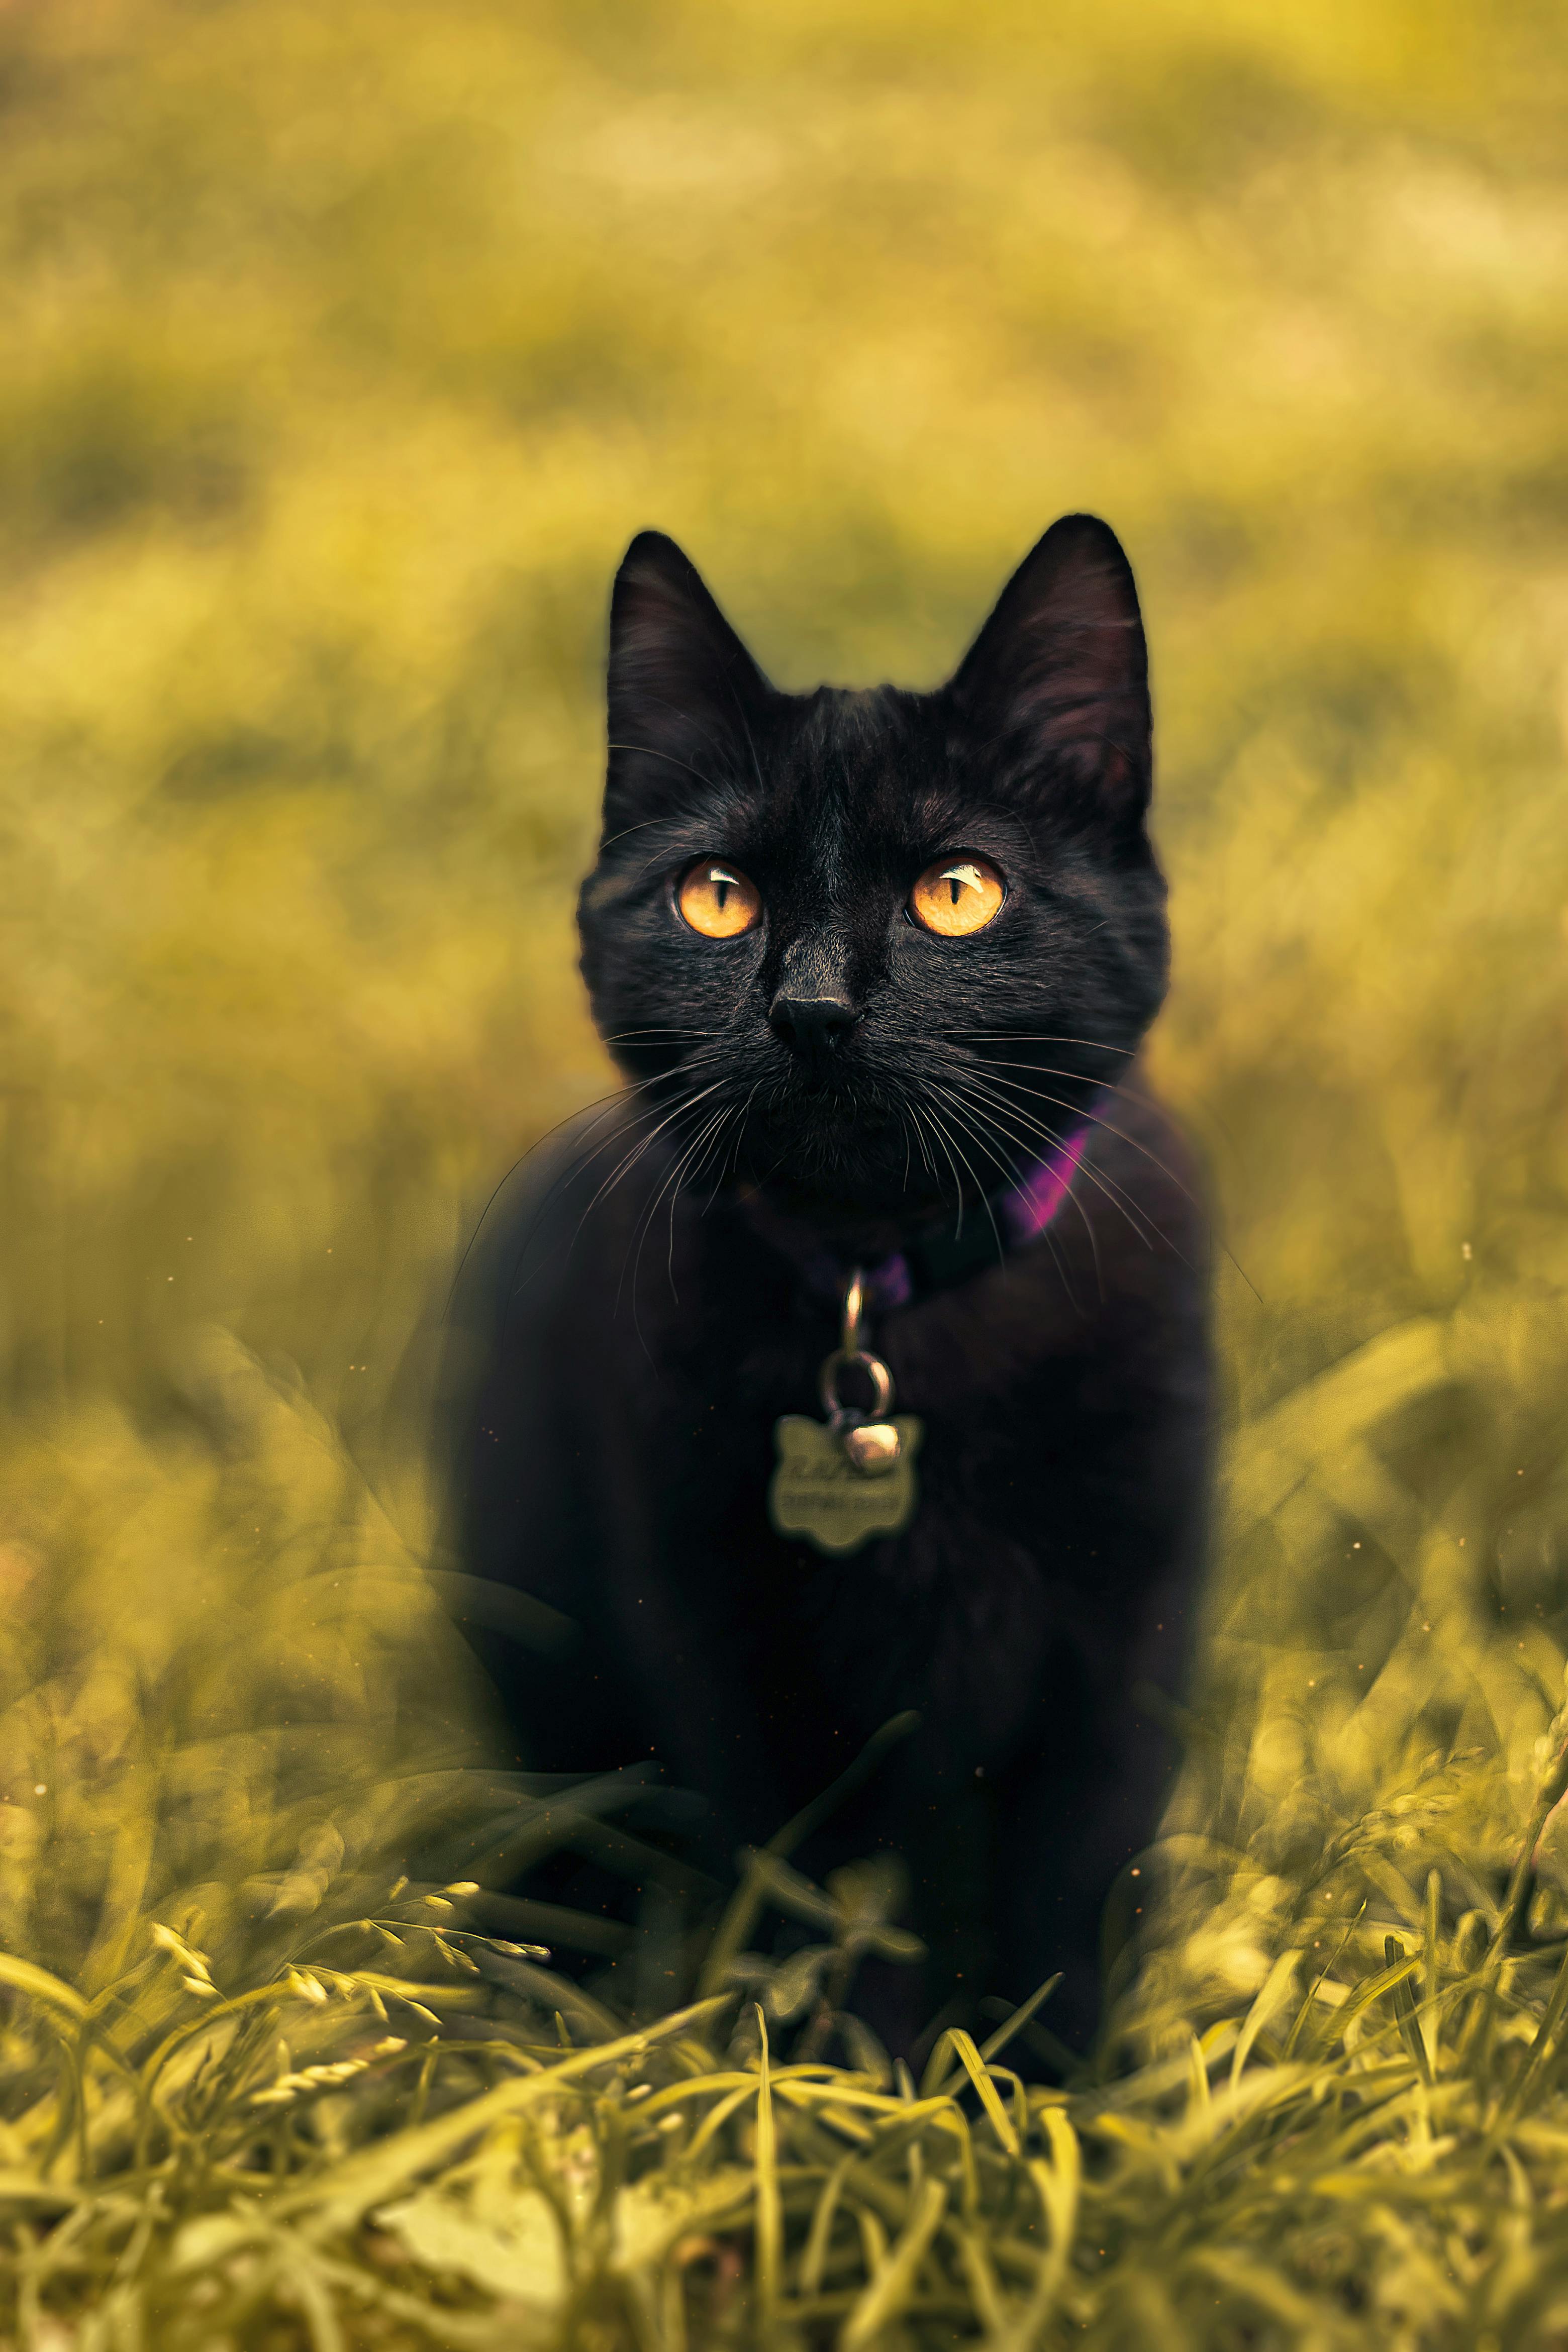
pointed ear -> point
(1056, 685)
(684, 693)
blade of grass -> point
(894, 2275)
(770, 2213)
(25, 1976)
(995, 2043)
(1057, 2185)
(1370, 1989)
(963, 2049)
(1403, 2002)
(1271, 1997)
(746, 1904)
(346, 2190)
(820, 2236)
(1431, 2024)
(1539, 2049)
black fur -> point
(628, 1336)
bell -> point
(873, 1448)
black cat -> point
(876, 966)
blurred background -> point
(340, 352)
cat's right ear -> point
(684, 693)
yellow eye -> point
(717, 899)
(957, 894)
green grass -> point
(294, 2077)
(343, 350)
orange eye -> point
(717, 899)
(956, 896)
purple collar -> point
(1019, 1215)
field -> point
(343, 350)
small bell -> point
(873, 1447)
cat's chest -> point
(957, 1613)
(1007, 1422)
(1032, 1417)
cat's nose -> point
(812, 1026)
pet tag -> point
(841, 1482)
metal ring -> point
(876, 1371)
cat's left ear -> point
(1056, 685)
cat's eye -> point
(956, 896)
(717, 899)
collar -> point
(933, 1261)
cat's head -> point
(872, 950)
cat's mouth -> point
(856, 1147)
(830, 1144)
(844, 1154)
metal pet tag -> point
(816, 1492)
(840, 1482)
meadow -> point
(340, 352)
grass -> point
(344, 352)
(279, 2089)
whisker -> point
(1153, 1157)
(927, 1162)
(1046, 1235)
(750, 745)
(1131, 1209)
(651, 753)
(648, 1214)
(1039, 1095)
(1087, 1224)
(693, 1175)
(676, 818)
(625, 1166)
(732, 1155)
(956, 1108)
(958, 1182)
(645, 1227)
(1025, 1037)
(521, 1161)
(578, 1165)
(1039, 1069)
(630, 1036)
